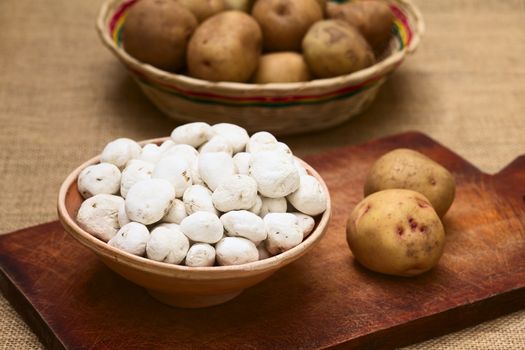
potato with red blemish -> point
(409, 169)
(396, 232)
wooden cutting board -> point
(324, 300)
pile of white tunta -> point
(210, 195)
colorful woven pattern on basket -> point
(401, 30)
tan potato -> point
(157, 32)
(332, 48)
(396, 232)
(239, 5)
(322, 5)
(225, 47)
(203, 9)
(282, 67)
(373, 18)
(405, 168)
(285, 22)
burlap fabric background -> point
(63, 96)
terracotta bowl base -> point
(193, 301)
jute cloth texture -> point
(63, 96)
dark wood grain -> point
(323, 300)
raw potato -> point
(372, 18)
(99, 178)
(200, 255)
(202, 227)
(98, 215)
(167, 244)
(282, 67)
(237, 136)
(275, 173)
(332, 48)
(236, 192)
(396, 232)
(131, 238)
(120, 151)
(157, 32)
(192, 134)
(203, 9)
(408, 169)
(285, 22)
(175, 170)
(310, 198)
(322, 5)
(198, 198)
(284, 232)
(225, 47)
(235, 251)
(135, 171)
(245, 224)
(149, 200)
(240, 5)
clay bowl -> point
(177, 285)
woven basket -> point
(281, 108)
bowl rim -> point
(354, 78)
(101, 248)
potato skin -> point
(396, 232)
(203, 9)
(225, 47)
(239, 5)
(322, 4)
(409, 169)
(332, 48)
(373, 18)
(157, 32)
(285, 22)
(281, 67)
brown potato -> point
(322, 4)
(225, 47)
(157, 32)
(373, 18)
(281, 67)
(405, 168)
(239, 5)
(396, 232)
(285, 22)
(332, 48)
(203, 9)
